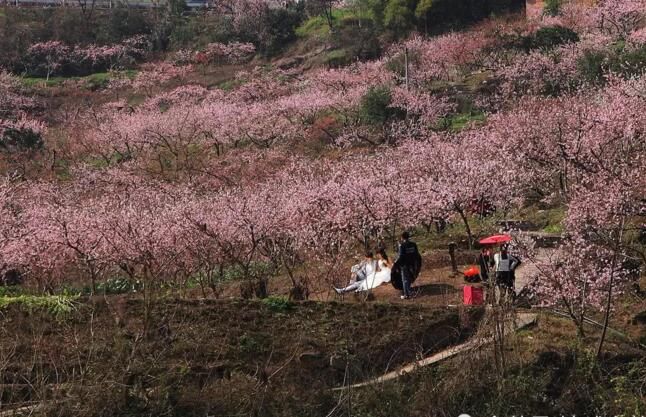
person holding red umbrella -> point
(486, 259)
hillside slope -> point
(200, 358)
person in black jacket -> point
(408, 259)
(483, 259)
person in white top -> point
(504, 265)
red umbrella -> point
(493, 240)
(471, 272)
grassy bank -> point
(194, 358)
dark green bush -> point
(122, 23)
(630, 62)
(358, 38)
(201, 29)
(552, 7)
(545, 38)
(396, 17)
(22, 27)
(20, 140)
(399, 17)
(375, 106)
(278, 304)
(281, 27)
(337, 58)
(552, 36)
(271, 33)
(592, 66)
(255, 270)
(118, 286)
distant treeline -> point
(22, 27)
(173, 28)
(445, 12)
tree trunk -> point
(606, 317)
(454, 264)
(466, 225)
(613, 265)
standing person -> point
(504, 264)
(409, 261)
(483, 260)
(360, 273)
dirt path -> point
(528, 269)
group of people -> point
(502, 265)
(372, 272)
(377, 268)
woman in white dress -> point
(381, 274)
(369, 274)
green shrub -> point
(553, 228)
(253, 343)
(11, 291)
(20, 140)
(461, 121)
(278, 304)
(628, 389)
(398, 17)
(41, 82)
(97, 81)
(255, 270)
(200, 30)
(552, 7)
(357, 38)
(313, 27)
(337, 58)
(57, 305)
(111, 286)
(552, 36)
(375, 105)
(423, 8)
(630, 63)
(118, 286)
(281, 27)
(592, 66)
(123, 22)
(318, 27)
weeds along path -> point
(520, 321)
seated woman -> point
(369, 274)
(382, 274)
